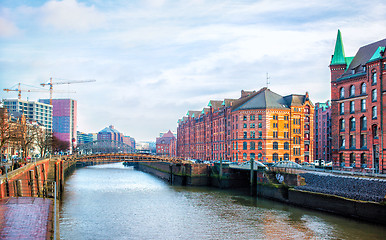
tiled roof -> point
(215, 104)
(263, 99)
(364, 55)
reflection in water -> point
(114, 202)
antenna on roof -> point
(268, 80)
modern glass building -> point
(38, 111)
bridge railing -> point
(29, 188)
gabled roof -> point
(193, 114)
(364, 55)
(205, 110)
(263, 99)
(339, 56)
(215, 104)
(228, 102)
(108, 130)
(295, 100)
(169, 134)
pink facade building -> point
(166, 145)
(322, 131)
(64, 119)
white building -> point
(37, 111)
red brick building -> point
(357, 98)
(166, 145)
(259, 125)
(322, 131)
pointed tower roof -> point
(339, 56)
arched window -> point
(307, 109)
(259, 156)
(306, 147)
(286, 146)
(275, 146)
(352, 159)
(374, 112)
(341, 93)
(363, 160)
(252, 146)
(244, 156)
(341, 124)
(352, 124)
(275, 157)
(363, 88)
(252, 156)
(374, 95)
(363, 105)
(363, 123)
(341, 108)
(286, 156)
(259, 146)
(352, 90)
(245, 145)
(374, 78)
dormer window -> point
(353, 71)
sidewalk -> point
(25, 218)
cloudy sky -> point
(154, 60)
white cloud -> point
(7, 28)
(70, 15)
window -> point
(245, 134)
(260, 134)
(259, 146)
(275, 117)
(275, 134)
(274, 125)
(363, 140)
(363, 88)
(260, 125)
(244, 156)
(341, 93)
(285, 134)
(252, 117)
(286, 146)
(352, 141)
(363, 160)
(341, 124)
(286, 156)
(252, 134)
(252, 125)
(374, 112)
(275, 146)
(352, 107)
(374, 78)
(275, 157)
(352, 124)
(245, 118)
(374, 95)
(245, 125)
(245, 145)
(363, 105)
(352, 90)
(252, 146)
(286, 117)
(260, 117)
(341, 108)
(342, 141)
(352, 159)
(363, 123)
(306, 147)
(259, 156)
(252, 156)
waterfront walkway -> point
(25, 218)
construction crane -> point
(19, 90)
(60, 83)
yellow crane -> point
(19, 90)
(60, 83)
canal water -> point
(115, 202)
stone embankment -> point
(357, 188)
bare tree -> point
(44, 142)
(59, 145)
(4, 129)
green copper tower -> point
(338, 57)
